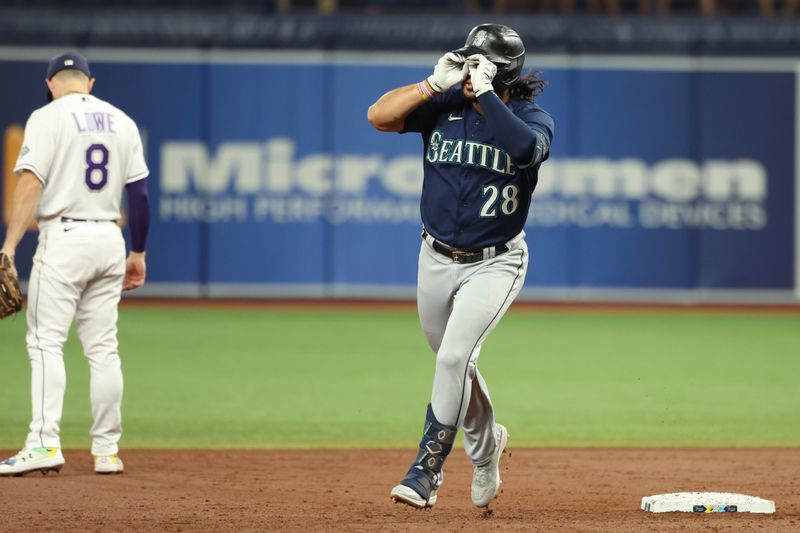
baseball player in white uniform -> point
(78, 154)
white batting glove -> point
(481, 72)
(449, 71)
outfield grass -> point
(205, 378)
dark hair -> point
(529, 86)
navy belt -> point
(464, 257)
(70, 219)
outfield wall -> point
(670, 179)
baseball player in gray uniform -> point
(483, 142)
(78, 154)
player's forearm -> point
(138, 214)
(510, 132)
(23, 209)
(391, 109)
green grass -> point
(203, 378)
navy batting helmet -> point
(502, 46)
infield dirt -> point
(347, 490)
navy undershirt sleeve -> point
(138, 214)
(511, 133)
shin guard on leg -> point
(425, 476)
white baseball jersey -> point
(84, 150)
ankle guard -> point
(425, 474)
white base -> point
(707, 502)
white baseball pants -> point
(459, 306)
(77, 274)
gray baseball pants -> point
(459, 305)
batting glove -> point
(449, 71)
(481, 72)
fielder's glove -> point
(450, 70)
(10, 295)
(481, 72)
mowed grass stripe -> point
(273, 378)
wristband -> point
(425, 91)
